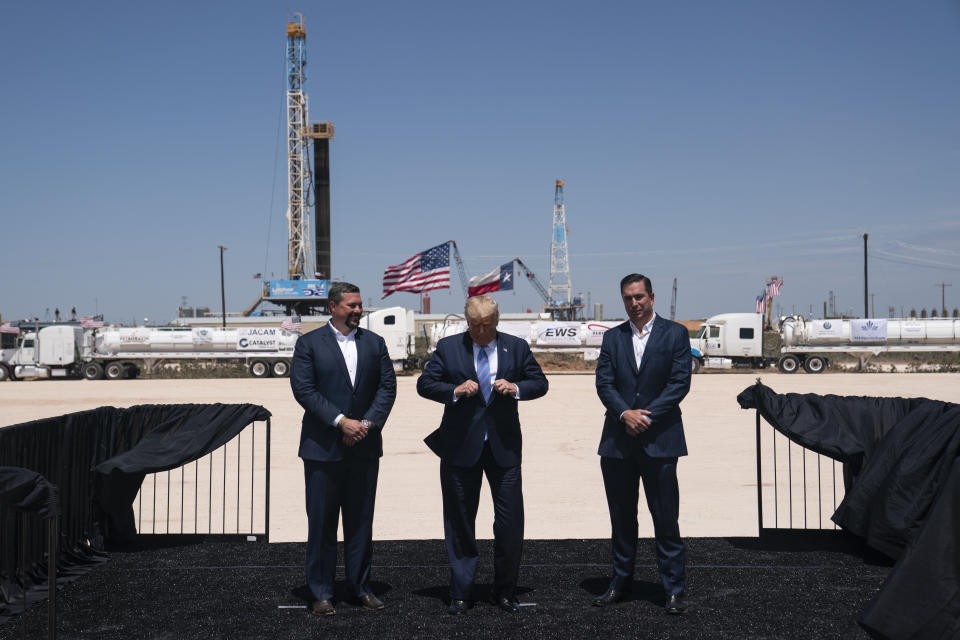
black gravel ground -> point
(785, 587)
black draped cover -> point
(904, 499)
(97, 459)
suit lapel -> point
(362, 345)
(330, 341)
(466, 362)
(656, 336)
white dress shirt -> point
(640, 339)
(348, 347)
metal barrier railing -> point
(225, 493)
(798, 489)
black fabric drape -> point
(903, 500)
(26, 490)
(98, 459)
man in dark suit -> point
(643, 373)
(343, 378)
(479, 376)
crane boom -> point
(533, 280)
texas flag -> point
(500, 279)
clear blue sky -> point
(715, 142)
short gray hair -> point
(480, 307)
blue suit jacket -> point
(661, 383)
(321, 384)
(459, 440)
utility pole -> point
(223, 296)
(873, 309)
(866, 286)
(943, 296)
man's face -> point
(483, 330)
(637, 302)
(348, 311)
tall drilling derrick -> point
(299, 260)
(561, 302)
(559, 257)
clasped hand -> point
(353, 431)
(637, 421)
(472, 388)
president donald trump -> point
(479, 376)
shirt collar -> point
(340, 337)
(489, 347)
(647, 328)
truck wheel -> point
(4, 373)
(788, 364)
(113, 370)
(280, 368)
(92, 371)
(259, 369)
(815, 364)
(695, 365)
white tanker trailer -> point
(63, 351)
(68, 351)
(736, 340)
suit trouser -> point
(461, 498)
(621, 480)
(348, 486)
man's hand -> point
(503, 387)
(467, 388)
(637, 421)
(352, 430)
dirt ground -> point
(563, 489)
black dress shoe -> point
(322, 608)
(610, 596)
(510, 605)
(370, 601)
(675, 604)
(458, 607)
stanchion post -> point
(54, 534)
(759, 482)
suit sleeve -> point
(386, 390)
(607, 376)
(303, 381)
(432, 383)
(533, 384)
(678, 383)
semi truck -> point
(736, 340)
(69, 351)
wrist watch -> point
(366, 423)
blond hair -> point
(480, 307)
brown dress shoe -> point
(370, 601)
(322, 608)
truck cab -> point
(396, 326)
(729, 340)
(51, 352)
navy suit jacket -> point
(321, 384)
(661, 383)
(459, 440)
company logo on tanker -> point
(827, 325)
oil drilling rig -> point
(308, 245)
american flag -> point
(87, 322)
(761, 304)
(6, 328)
(423, 272)
(291, 324)
(774, 287)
